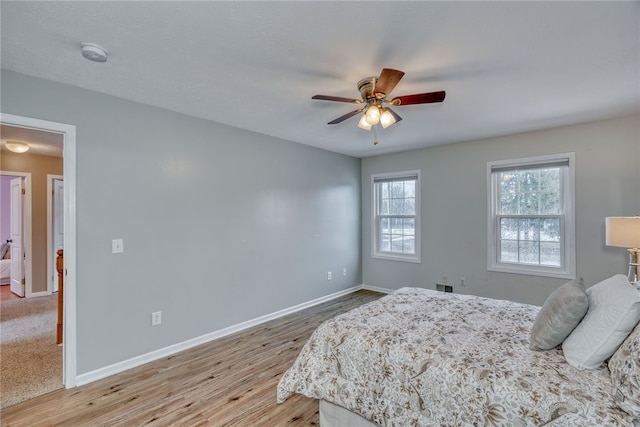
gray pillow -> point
(3, 249)
(560, 314)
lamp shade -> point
(387, 119)
(623, 231)
(363, 123)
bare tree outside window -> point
(531, 216)
(396, 220)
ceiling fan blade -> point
(345, 117)
(336, 98)
(419, 98)
(388, 80)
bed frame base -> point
(336, 416)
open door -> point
(57, 227)
(17, 257)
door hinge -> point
(24, 191)
(24, 282)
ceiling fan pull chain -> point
(375, 135)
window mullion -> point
(518, 240)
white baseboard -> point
(377, 289)
(39, 294)
(116, 368)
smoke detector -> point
(93, 52)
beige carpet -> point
(30, 360)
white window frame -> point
(567, 268)
(375, 223)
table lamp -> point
(624, 232)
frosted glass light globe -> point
(372, 115)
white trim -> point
(50, 271)
(377, 289)
(27, 225)
(415, 258)
(116, 368)
(39, 294)
(69, 349)
(568, 270)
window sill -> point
(391, 257)
(532, 271)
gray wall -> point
(220, 225)
(454, 207)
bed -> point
(425, 358)
(5, 271)
(5, 263)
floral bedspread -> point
(425, 358)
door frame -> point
(52, 274)
(26, 231)
(68, 132)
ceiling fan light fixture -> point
(372, 115)
(363, 124)
(374, 92)
(17, 146)
(386, 118)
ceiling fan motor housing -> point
(366, 87)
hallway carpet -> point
(30, 360)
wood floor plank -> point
(227, 382)
(6, 294)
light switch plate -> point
(117, 246)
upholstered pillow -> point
(625, 374)
(614, 310)
(4, 248)
(559, 315)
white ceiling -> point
(507, 67)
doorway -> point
(15, 217)
(68, 132)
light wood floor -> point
(228, 382)
(6, 294)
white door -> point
(57, 225)
(17, 266)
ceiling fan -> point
(374, 92)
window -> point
(396, 216)
(531, 220)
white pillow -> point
(614, 310)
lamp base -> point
(633, 266)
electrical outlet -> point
(445, 279)
(329, 275)
(156, 318)
(344, 271)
